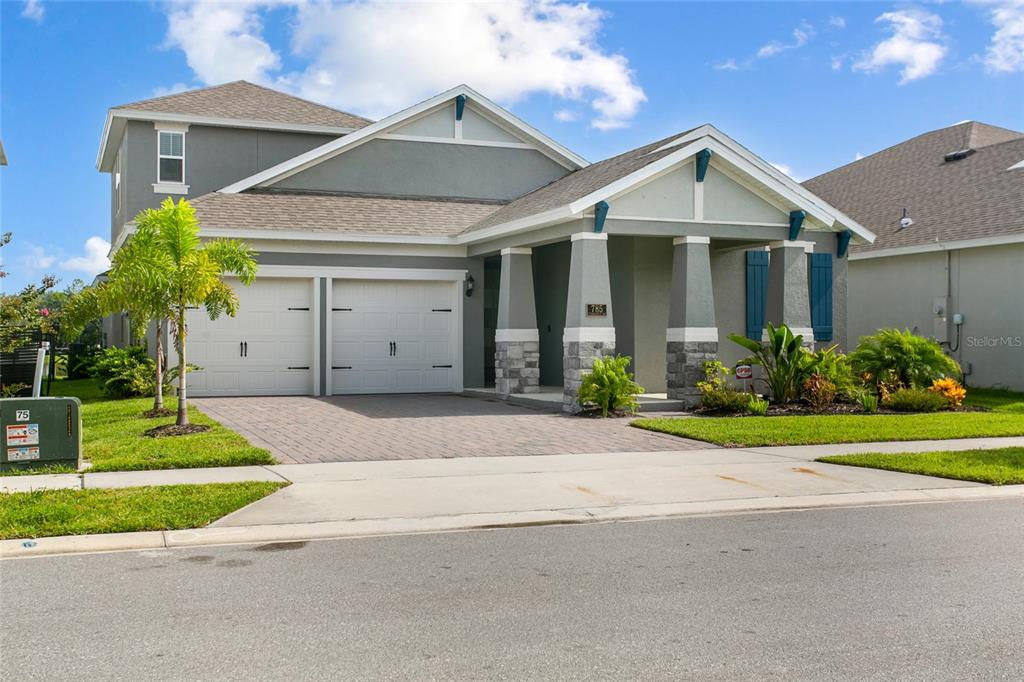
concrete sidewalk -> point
(371, 498)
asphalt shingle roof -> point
(578, 184)
(338, 214)
(973, 197)
(248, 101)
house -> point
(948, 209)
(453, 246)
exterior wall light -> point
(470, 285)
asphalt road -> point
(922, 592)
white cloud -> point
(836, 63)
(858, 156)
(916, 43)
(837, 22)
(35, 259)
(34, 10)
(376, 57)
(94, 261)
(1006, 50)
(727, 65)
(566, 115)
(162, 90)
(788, 170)
(801, 35)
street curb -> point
(322, 530)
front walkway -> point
(299, 430)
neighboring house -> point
(948, 209)
(3, 154)
(453, 246)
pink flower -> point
(45, 312)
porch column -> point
(692, 336)
(788, 300)
(589, 331)
(516, 341)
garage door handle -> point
(441, 310)
(342, 310)
(442, 366)
(241, 352)
(342, 367)
(306, 367)
(298, 309)
(245, 349)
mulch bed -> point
(154, 414)
(175, 430)
(792, 409)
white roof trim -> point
(1016, 166)
(335, 147)
(117, 118)
(933, 247)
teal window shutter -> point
(821, 295)
(757, 292)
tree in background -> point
(24, 311)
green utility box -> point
(36, 432)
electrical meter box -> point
(37, 432)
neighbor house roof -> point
(237, 104)
(248, 101)
(978, 196)
(293, 213)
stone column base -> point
(516, 367)
(685, 367)
(577, 361)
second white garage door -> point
(394, 337)
(267, 349)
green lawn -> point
(113, 440)
(120, 510)
(1005, 419)
(998, 467)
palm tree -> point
(170, 258)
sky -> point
(808, 86)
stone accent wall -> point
(516, 367)
(685, 367)
(577, 361)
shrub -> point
(902, 356)
(783, 358)
(716, 393)
(951, 390)
(610, 386)
(869, 401)
(835, 367)
(818, 391)
(125, 372)
(915, 400)
(757, 406)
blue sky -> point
(808, 86)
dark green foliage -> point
(783, 358)
(908, 359)
(915, 400)
(125, 372)
(716, 393)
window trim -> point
(170, 186)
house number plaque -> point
(597, 310)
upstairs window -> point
(171, 157)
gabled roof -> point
(247, 101)
(975, 197)
(292, 213)
(239, 104)
(341, 145)
(576, 193)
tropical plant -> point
(834, 366)
(783, 359)
(610, 386)
(901, 357)
(170, 260)
(757, 406)
(818, 391)
(125, 372)
(24, 311)
(914, 400)
(868, 402)
(715, 391)
(951, 390)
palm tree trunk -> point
(158, 399)
(182, 395)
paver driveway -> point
(358, 428)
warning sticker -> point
(23, 434)
(22, 454)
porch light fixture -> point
(470, 285)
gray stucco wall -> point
(472, 306)
(214, 157)
(429, 169)
(984, 286)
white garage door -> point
(267, 349)
(394, 337)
